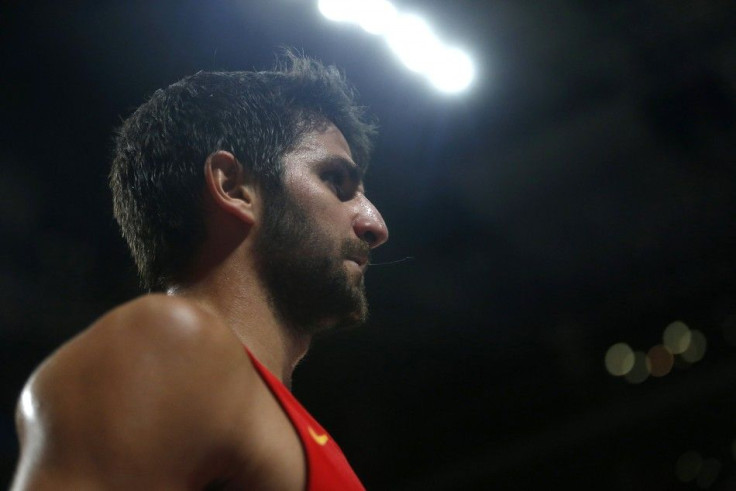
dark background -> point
(580, 194)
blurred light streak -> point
(337, 10)
(413, 42)
(377, 17)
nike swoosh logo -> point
(320, 439)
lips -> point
(362, 262)
(358, 252)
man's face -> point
(313, 245)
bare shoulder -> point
(158, 379)
(158, 317)
(155, 337)
(161, 321)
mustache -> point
(356, 248)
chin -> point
(358, 317)
(351, 320)
(348, 323)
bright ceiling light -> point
(376, 16)
(338, 10)
(409, 37)
(452, 70)
(413, 42)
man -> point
(241, 198)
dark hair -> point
(157, 177)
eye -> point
(335, 179)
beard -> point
(303, 270)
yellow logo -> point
(320, 439)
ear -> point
(229, 187)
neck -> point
(241, 302)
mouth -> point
(358, 253)
(361, 261)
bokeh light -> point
(660, 360)
(640, 371)
(619, 359)
(708, 473)
(688, 466)
(696, 348)
(677, 337)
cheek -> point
(318, 203)
(304, 190)
(315, 200)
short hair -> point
(157, 175)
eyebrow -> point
(355, 173)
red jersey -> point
(327, 467)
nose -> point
(368, 224)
